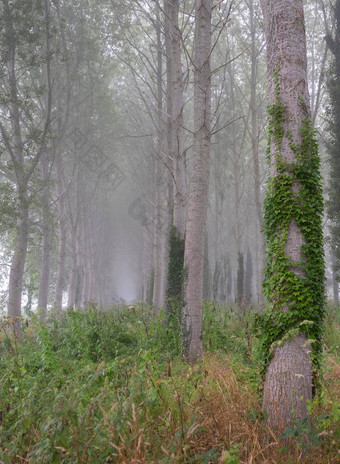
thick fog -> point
(88, 182)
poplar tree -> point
(294, 278)
(25, 117)
(199, 185)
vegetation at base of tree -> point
(110, 386)
(295, 290)
(174, 294)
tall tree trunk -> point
(217, 257)
(240, 279)
(169, 147)
(248, 276)
(207, 278)
(334, 151)
(45, 166)
(237, 177)
(46, 239)
(74, 270)
(175, 100)
(80, 261)
(157, 282)
(293, 220)
(177, 119)
(16, 275)
(255, 146)
(198, 196)
(20, 250)
(165, 260)
(60, 280)
(335, 282)
(92, 277)
(87, 263)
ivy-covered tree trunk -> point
(294, 280)
(198, 195)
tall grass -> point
(110, 387)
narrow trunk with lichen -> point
(198, 193)
(294, 279)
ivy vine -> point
(295, 290)
(175, 286)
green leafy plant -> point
(295, 290)
(174, 295)
(231, 456)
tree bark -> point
(334, 151)
(74, 269)
(80, 261)
(335, 282)
(255, 146)
(288, 380)
(177, 184)
(46, 239)
(177, 144)
(198, 196)
(157, 282)
(87, 263)
(16, 275)
(45, 166)
(60, 280)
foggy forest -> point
(170, 231)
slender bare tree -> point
(199, 185)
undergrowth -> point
(110, 387)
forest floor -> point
(110, 387)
